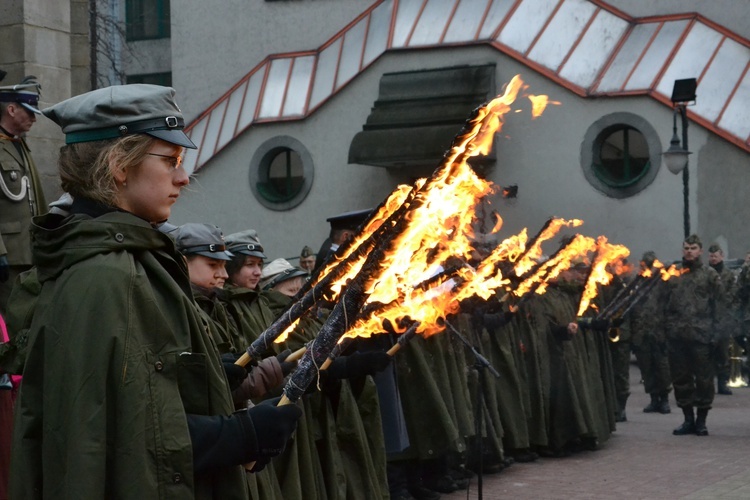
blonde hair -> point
(86, 168)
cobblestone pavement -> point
(642, 459)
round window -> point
(620, 154)
(281, 173)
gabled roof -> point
(586, 46)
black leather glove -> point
(287, 367)
(4, 269)
(273, 426)
(235, 373)
(359, 364)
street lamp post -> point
(676, 156)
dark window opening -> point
(147, 19)
(621, 156)
(164, 79)
(284, 176)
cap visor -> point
(216, 255)
(177, 137)
(250, 253)
(30, 108)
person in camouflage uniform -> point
(728, 322)
(689, 303)
(650, 346)
(743, 304)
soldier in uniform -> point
(114, 313)
(21, 196)
(343, 228)
(690, 302)
(650, 346)
(727, 320)
(307, 259)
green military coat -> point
(117, 356)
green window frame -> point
(147, 20)
(281, 173)
(284, 175)
(621, 156)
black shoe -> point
(402, 495)
(701, 429)
(725, 390)
(688, 426)
(653, 406)
(684, 429)
(700, 422)
(442, 484)
(663, 406)
(422, 493)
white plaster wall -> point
(214, 44)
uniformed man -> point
(690, 302)
(343, 228)
(307, 259)
(727, 320)
(650, 346)
(21, 196)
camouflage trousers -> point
(653, 362)
(692, 367)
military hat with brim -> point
(245, 243)
(349, 220)
(195, 238)
(121, 110)
(25, 93)
(278, 271)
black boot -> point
(688, 426)
(663, 406)
(700, 422)
(653, 406)
(723, 387)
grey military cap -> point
(279, 271)
(120, 110)
(201, 239)
(245, 243)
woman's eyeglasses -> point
(174, 161)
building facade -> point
(304, 109)
(303, 100)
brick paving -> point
(642, 459)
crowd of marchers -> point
(125, 333)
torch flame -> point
(539, 104)
(606, 253)
(437, 229)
